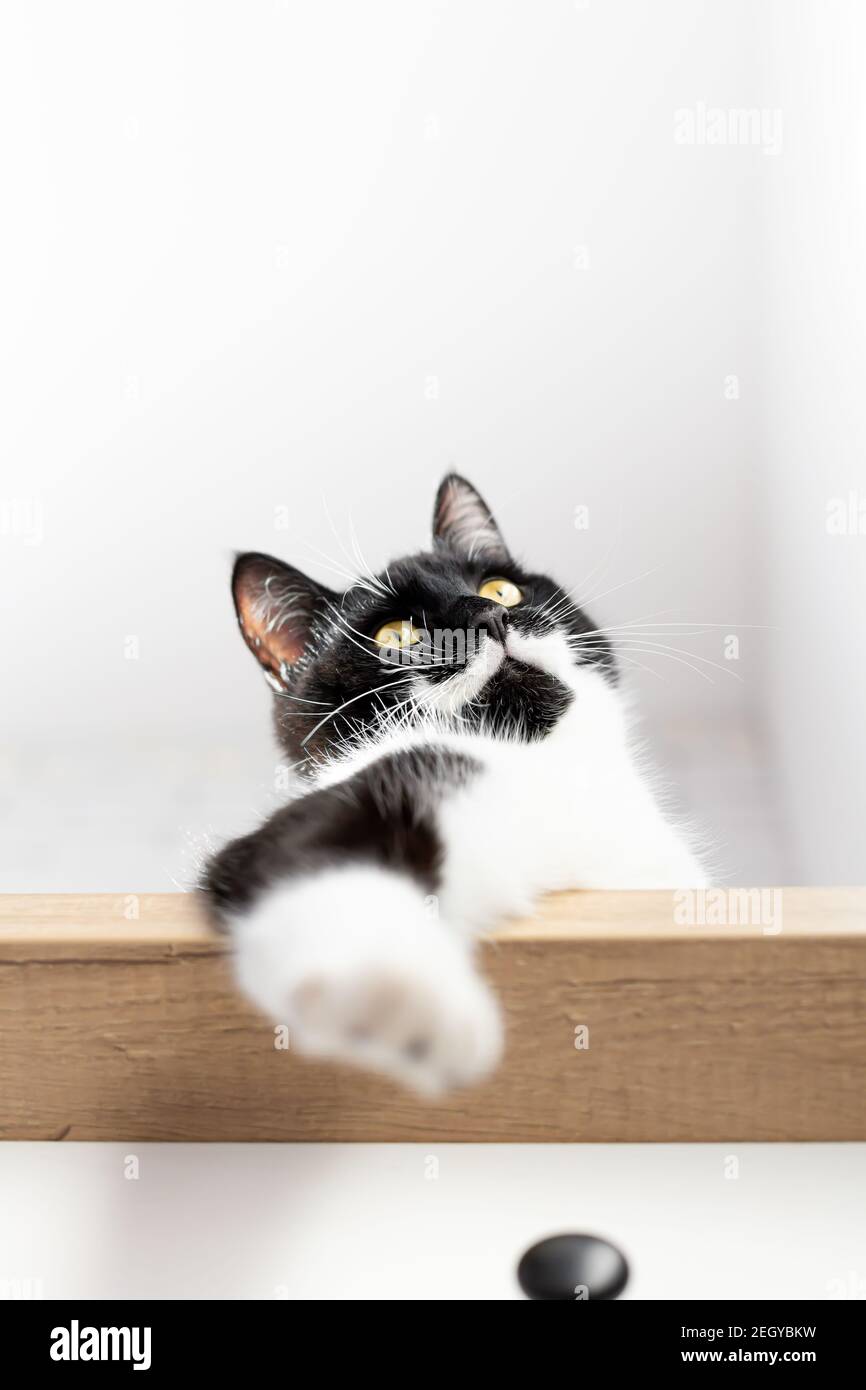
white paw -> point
(360, 972)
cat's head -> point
(462, 633)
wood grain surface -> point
(119, 1021)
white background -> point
(247, 243)
(271, 266)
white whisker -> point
(386, 685)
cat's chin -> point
(520, 700)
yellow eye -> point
(400, 632)
(501, 591)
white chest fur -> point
(573, 810)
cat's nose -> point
(482, 614)
(495, 621)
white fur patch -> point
(449, 696)
(360, 970)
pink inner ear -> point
(273, 613)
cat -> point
(461, 745)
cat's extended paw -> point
(429, 1023)
(355, 965)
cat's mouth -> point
(522, 667)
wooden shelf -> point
(125, 1027)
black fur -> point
(383, 814)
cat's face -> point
(462, 633)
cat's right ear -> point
(464, 523)
(277, 607)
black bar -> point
(246, 1336)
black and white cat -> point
(461, 746)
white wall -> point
(814, 438)
(241, 239)
(279, 260)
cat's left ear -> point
(464, 523)
(277, 608)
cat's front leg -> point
(337, 937)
